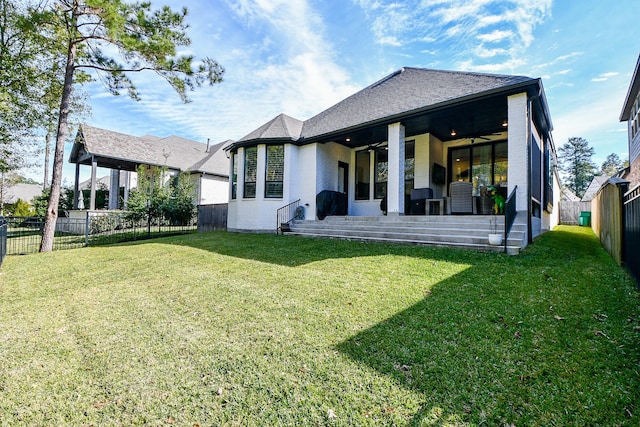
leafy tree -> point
(611, 165)
(146, 39)
(21, 52)
(576, 164)
(159, 199)
(20, 208)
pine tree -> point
(576, 164)
(146, 38)
(611, 165)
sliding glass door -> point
(481, 164)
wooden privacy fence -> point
(615, 218)
(570, 211)
(212, 217)
(607, 217)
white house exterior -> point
(415, 128)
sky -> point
(299, 57)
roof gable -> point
(280, 127)
(632, 93)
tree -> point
(157, 199)
(21, 54)
(611, 165)
(145, 38)
(576, 164)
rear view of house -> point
(416, 131)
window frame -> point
(249, 184)
(269, 183)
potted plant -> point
(495, 237)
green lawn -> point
(239, 329)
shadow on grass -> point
(485, 347)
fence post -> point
(86, 229)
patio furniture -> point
(417, 201)
(484, 202)
(461, 197)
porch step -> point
(470, 232)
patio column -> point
(518, 148)
(395, 168)
(94, 167)
(76, 187)
(114, 189)
(127, 180)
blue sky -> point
(301, 56)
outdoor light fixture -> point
(453, 132)
(348, 139)
(505, 124)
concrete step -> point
(469, 232)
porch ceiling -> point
(472, 119)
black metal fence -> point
(3, 238)
(631, 229)
(91, 228)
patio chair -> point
(461, 197)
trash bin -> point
(585, 219)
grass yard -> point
(236, 329)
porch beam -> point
(395, 168)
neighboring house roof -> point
(594, 186)
(25, 192)
(403, 96)
(569, 195)
(121, 151)
(632, 94)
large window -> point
(274, 171)
(234, 176)
(250, 172)
(381, 175)
(363, 179)
(409, 165)
(482, 164)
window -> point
(363, 160)
(234, 176)
(274, 171)
(409, 165)
(250, 171)
(481, 164)
(381, 173)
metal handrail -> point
(286, 214)
(510, 213)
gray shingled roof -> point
(280, 127)
(400, 93)
(25, 192)
(174, 151)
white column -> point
(395, 182)
(92, 199)
(127, 184)
(114, 189)
(517, 143)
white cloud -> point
(604, 77)
(475, 28)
